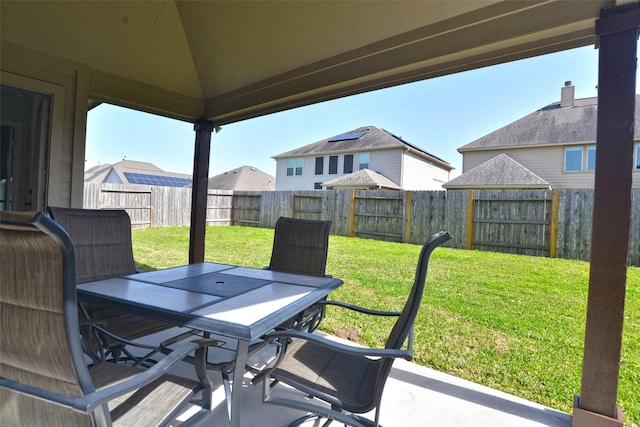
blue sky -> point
(438, 115)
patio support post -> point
(202, 150)
(617, 34)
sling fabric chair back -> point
(102, 241)
(39, 338)
(103, 247)
(300, 246)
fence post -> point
(352, 214)
(151, 198)
(407, 217)
(553, 228)
(469, 244)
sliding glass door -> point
(24, 143)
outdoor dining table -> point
(232, 301)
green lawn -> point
(514, 323)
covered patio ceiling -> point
(231, 60)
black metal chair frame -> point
(342, 407)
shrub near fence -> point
(531, 222)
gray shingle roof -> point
(363, 178)
(97, 173)
(501, 172)
(244, 178)
(372, 139)
(100, 173)
(549, 125)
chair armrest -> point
(89, 402)
(346, 348)
(86, 404)
(359, 309)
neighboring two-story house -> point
(553, 147)
(385, 154)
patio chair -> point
(301, 246)
(349, 380)
(102, 243)
(44, 379)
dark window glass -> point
(348, 163)
(319, 165)
(317, 186)
(333, 165)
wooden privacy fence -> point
(524, 222)
(531, 222)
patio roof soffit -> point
(228, 61)
(455, 45)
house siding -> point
(420, 175)
(546, 162)
(385, 162)
(301, 182)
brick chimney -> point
(567, 94)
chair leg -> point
(226, 383)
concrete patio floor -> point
(414, 396)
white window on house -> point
(294, 167)
(348, 163)
(363, 160)
(591, 157)
(638, 156)
(573, 159)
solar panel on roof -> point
(167, 181)
(347, 136)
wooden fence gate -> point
(519, 222)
